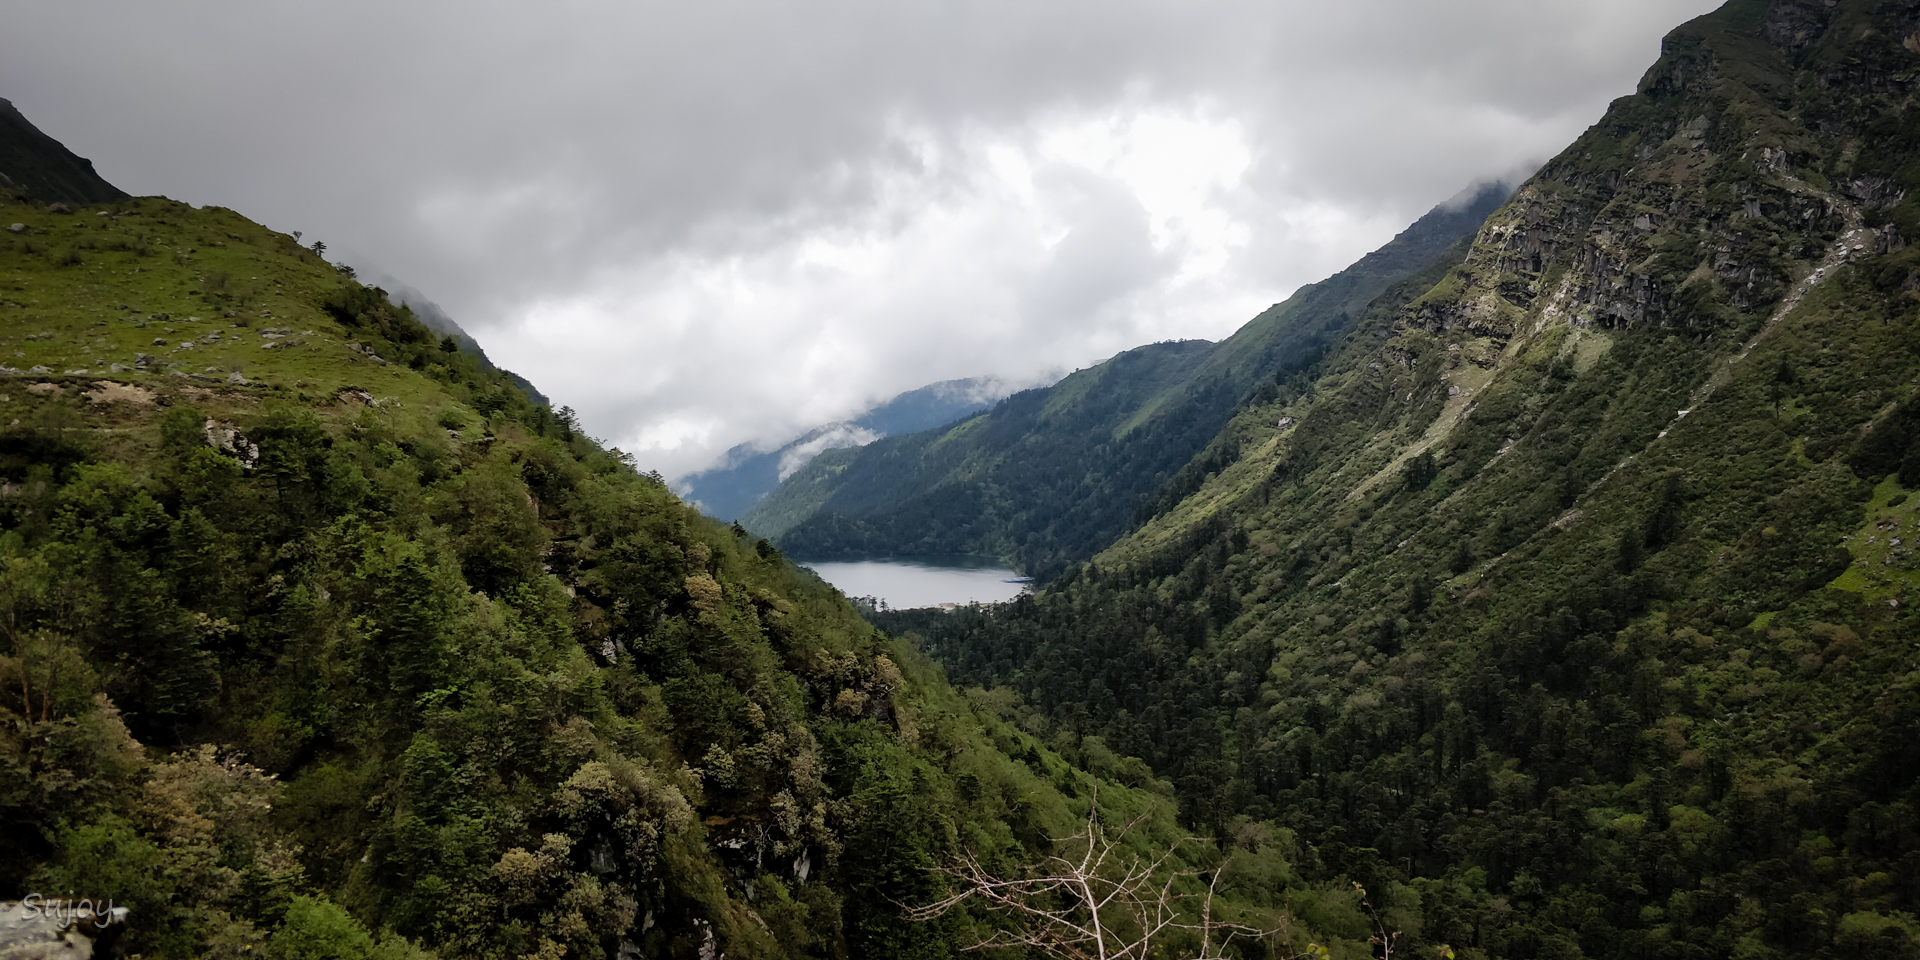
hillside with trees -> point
(1575, 593)
(319, 638)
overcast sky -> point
(706, 223)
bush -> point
(316, 929)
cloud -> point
(833, 437)
(703, 224)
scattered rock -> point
(58, 208)
(226, 439)
(16, 228)
(111, 391)
(118, 368)
(76, 371)
(143, 360)
(235, 377)
(38, 368)
(45, 389)
(1285, 422)
(159, 341)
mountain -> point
(38, 167)
(1573, 599)
(438, 321)
(321, 640)
(747, 474)
(1051, 475)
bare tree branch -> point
(1101, 901)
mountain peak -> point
(42, 168)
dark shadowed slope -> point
(43, 169)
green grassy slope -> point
(1578, 593)
(317, 638)
(1050, 476)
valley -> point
(1543, 584)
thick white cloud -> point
(704, 223)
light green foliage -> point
(367, 653)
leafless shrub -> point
(1100, 900)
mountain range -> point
(747, 473)
(1542, 586)
(1052, 474)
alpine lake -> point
(906, 582)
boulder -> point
(16, 228)
(40, 929)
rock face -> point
(36, 929)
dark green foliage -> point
(1621, 662)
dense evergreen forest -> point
(321, 641)
(1575, 593)
(1050, 476)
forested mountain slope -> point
(1578, 593)
(747, 473)
(319, 640)
(1050, 476)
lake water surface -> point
(921, 581)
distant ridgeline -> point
(322, 638)
(1049, 476)
(748, 474)
(1571, 597)
(437, 320)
